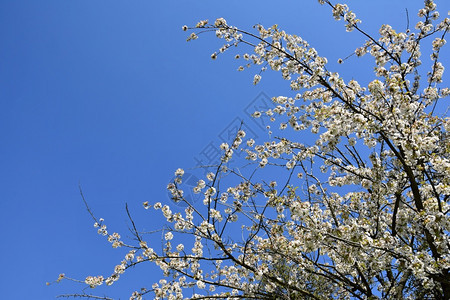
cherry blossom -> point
(364, 209)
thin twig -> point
(85, 203)
(84, 296)
(132, 222)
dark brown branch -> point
(136, 233)
(86, 204)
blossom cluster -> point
(367, 215)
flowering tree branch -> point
(361, 212)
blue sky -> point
(110, 95)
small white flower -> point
(256, 79)
(168, 236)
(179, 172)
(290, 164)
(210, 176)
(180, 247)
(220, 22)
(200, 284)
(224, 146)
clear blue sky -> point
(109, 94)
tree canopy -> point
(361, 211)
